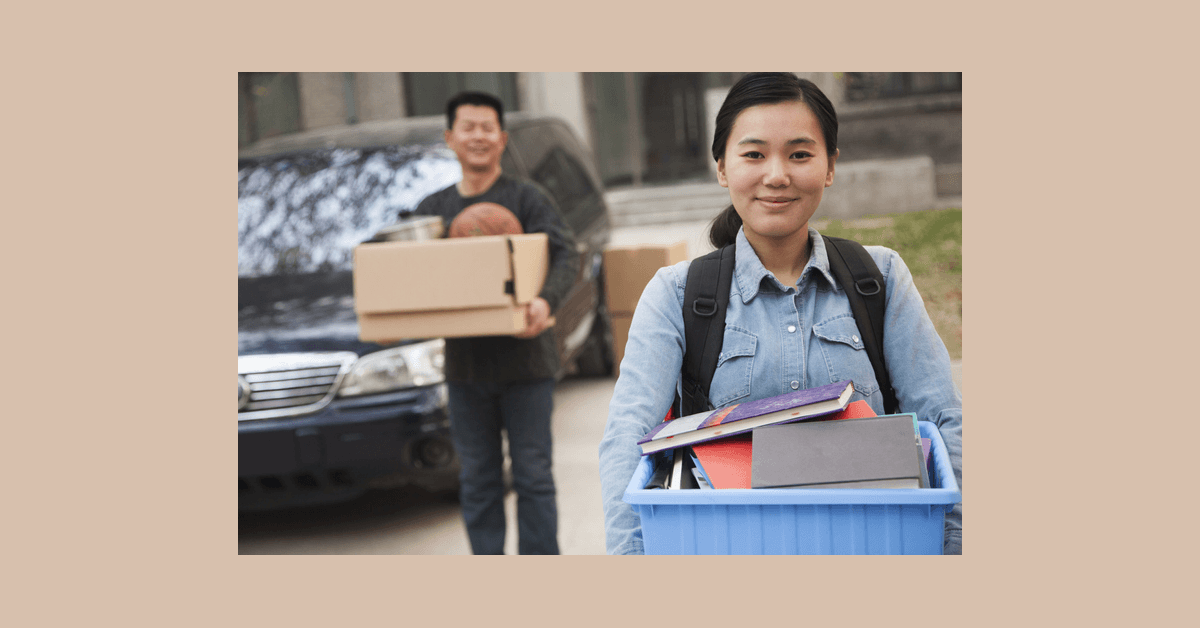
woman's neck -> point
(784, 257)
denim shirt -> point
(777, 339)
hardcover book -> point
(744, 417)
(875, 452)
(681, 473)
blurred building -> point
(645, 128)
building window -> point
(426, 93)
(862, 86)
(268, 105)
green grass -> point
(931, 244)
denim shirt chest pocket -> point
(735, 366)
(845, 355)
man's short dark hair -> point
(479, 99)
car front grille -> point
(289, 384)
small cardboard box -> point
(447, 287)
(627, 270)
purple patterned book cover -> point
(785, 401)
(750, 409)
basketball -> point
(485, 219)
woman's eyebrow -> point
(798, 140)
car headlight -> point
(419, 364)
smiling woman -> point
(789, 322)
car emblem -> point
(243, 392)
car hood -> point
(298, 313)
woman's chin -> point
(776, 231)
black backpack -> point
(706, 297)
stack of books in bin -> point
(808, 438)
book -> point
(676, 472)
(681, 474)
(726, 461)
(661, 474)
(698, 469)
(701, 479)
(855, 410)
(922, 469)
(926, 460)
(744, 417)
(870, 452)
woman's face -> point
(776, 169)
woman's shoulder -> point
(886, 259)
(674, 277)
(666, 285)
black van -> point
(323, 416)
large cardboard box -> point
(627, 270)
(454, 287)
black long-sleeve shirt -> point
(506, 358)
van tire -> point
(596, 359)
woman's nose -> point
(776, 174)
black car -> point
(323, 416)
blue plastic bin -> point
(798, 521)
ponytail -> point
(724, 228)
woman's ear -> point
(721, 173)
(832, 162)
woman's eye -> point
(753, 155)
(801, 155)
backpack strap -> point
(863, 283)
(705, 300)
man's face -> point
(476, 137)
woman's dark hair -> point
(479, 99)
(765, 88)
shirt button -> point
(854, 338)
(795, 385)
(791, 329)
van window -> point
(566, 180)
(508, 164)
(305, 212)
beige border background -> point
(119, 512)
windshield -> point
(305, 212)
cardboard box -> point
(484, 321)
(627, 270)
(620, 335)
(448, 287)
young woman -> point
(788, 325)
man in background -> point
(504, 382)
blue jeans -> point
(478, 413)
